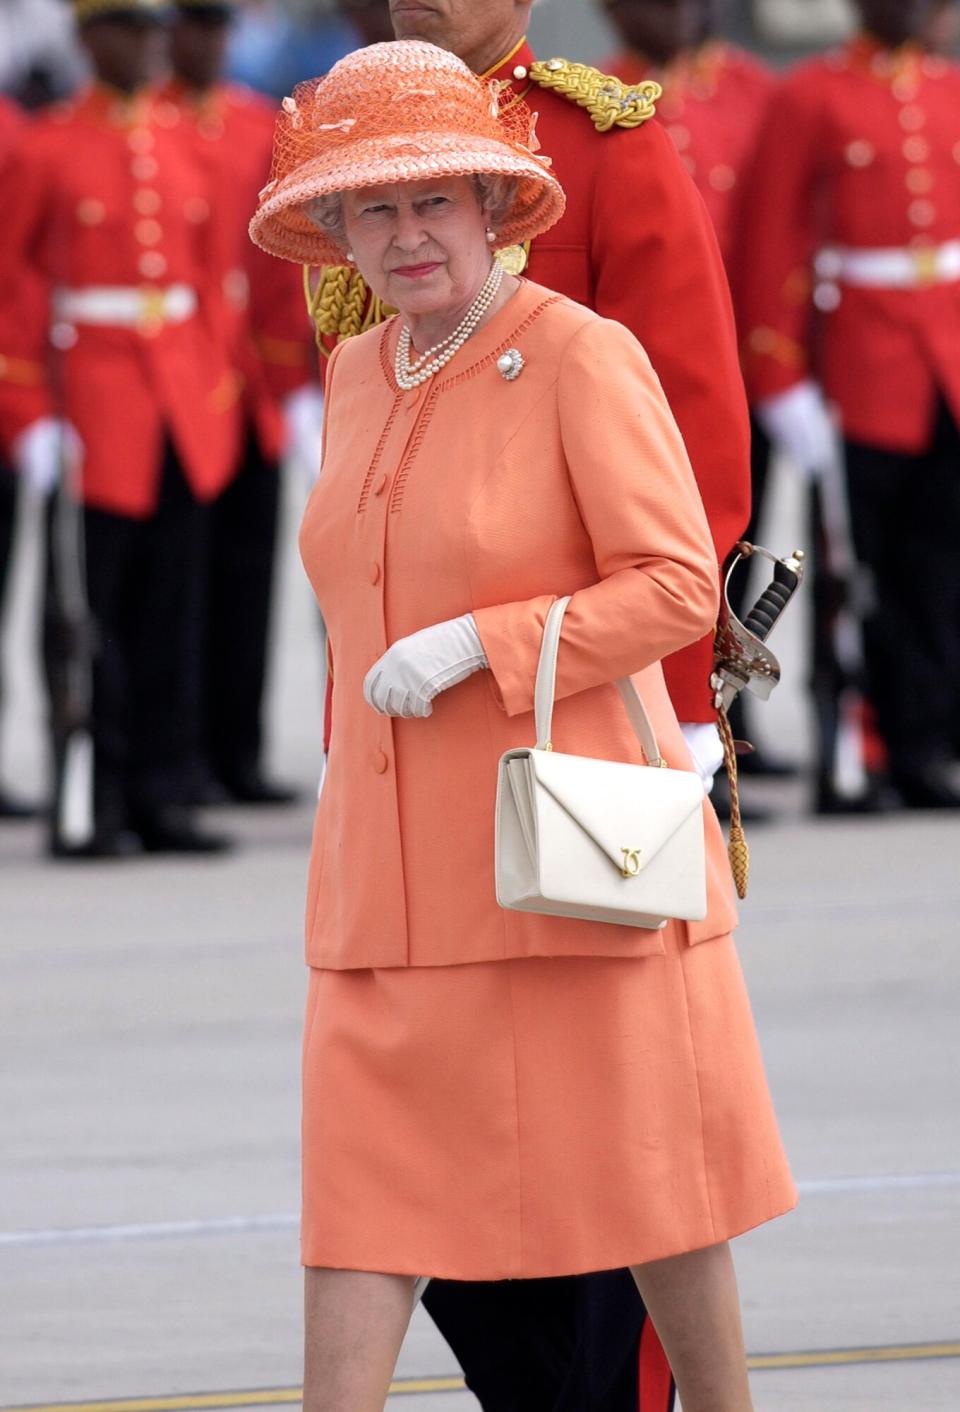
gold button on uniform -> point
(722, 178)
(921, 213)
(919, 181)
(916, 149)
(152, 264)
(140, 140)
(380, 762)
(374, 573)
(146, 202)
(860, 153)
(144, 168)
(148, 232)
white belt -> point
(125, 306)
(890, 268)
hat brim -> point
(282, 227)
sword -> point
(744, 662)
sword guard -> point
(743, 661)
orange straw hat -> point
(405, 111)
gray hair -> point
(495, 193)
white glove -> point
(798, 421)
(303, 414)
(417, 668)
(43, 451)
(706, 749)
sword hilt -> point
(770, 606)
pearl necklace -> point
(412, 374)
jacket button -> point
(374, 573)
(380, 763)
(380, 486)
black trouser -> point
(144, 585)
(556, 1345)
(905, 516)
(240, 571)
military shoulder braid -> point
(340, 303)
(610, 102)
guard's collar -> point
(514, 68)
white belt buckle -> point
(153, 309)
(926, 265)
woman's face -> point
(420, 245)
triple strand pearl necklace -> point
(412, 374)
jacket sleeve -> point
(658, 270)
(781, 213)
(656, 586)
(24, 297)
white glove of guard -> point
(43, 450)
(303, 415)
(417, 668)
(706, 749)
(798, 421)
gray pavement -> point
(149, 1032)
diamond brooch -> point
(510, 364)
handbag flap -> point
(630, 811)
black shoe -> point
(105, 843)
(876, 798)
(926, 788)
(764, 766)
(250, 787)
(173, 830)
(13, 810)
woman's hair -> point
(495, 193)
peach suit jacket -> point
(475, 494)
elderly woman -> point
(492, 1094)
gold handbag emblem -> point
(631, 862)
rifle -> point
(70, 642)
(843, 595)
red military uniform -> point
(860, 154)
(850, 279)
(20, 364)
(104, 208)
(229, 133)
(230, 130)
(713, 104)
(636, 244)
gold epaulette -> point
(340, 303)
(610, 102)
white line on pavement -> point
(286, 1221)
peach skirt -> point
(524, 1118)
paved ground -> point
(149, 1018)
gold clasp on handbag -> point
(631, 862)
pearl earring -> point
(351, 257)
(491, 236)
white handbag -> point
(599, 840)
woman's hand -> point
(417, 668)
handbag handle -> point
(545, 691)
